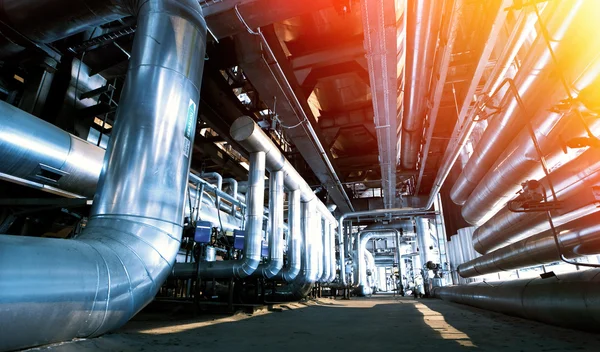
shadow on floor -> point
(370, 324)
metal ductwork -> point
(406, 227)
(421, 38)
(245, 266)
(535, 82)
(274, 264)
(577, 238)
(573, 184)
(362, 238)
(520, 161)
(568, 300)
(96, 283)
(294, 239)
(41, 155)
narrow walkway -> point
(370, 324)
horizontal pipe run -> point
(577, 238)
(535, 81)
(567, 300)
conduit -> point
(54, 290)
(568, 300)
(573, 184)
(577, 238)
(535, 81)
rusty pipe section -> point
(577, 238)
(535, 82)
(421, 37)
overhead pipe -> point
(572, 183)
(520, 161)
(250, 136)
(440, 82)
(244, 267)
(54, 290)
(421, 38)
(575, 239)
(385, 61)
(567, 300)
(466, 117)
(536, 80)
(406, 227)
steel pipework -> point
(294, 239)
(568, 300)
(573, 184)
(244, 267)
(53, 290)
(535, 81)
(41, 155)
(577, 238)
(362, 238)
(421, 39)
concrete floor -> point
(369, 324)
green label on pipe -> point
(189, 128)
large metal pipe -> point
(54, 290)
(332, 259)
(567, 300)
(577, 238)
(294, 239)
(573, 184)
(466, 120)
(245, 266)
(43, 156)
(362, 238)
(424, 241)
(421, 38)
(520, 161)
(250, 136)
(369, 213)
(407, 227)
(326, 253)
(271, 268)
(536, 81)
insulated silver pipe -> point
(369, 213)
(245, 266)
(573, 184)
(332, 260)
(362, 239)
(326, 253)
(234, 186)
(405, 226)
(567, 300)
(577, 238)
(520, 161)
(308, 275)
(424, 241)
(272, 267)
(215, 176)
(245, 131)
(421, 38)
(535, 81)
(54, 290)
(294, 239)
(41, 155)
